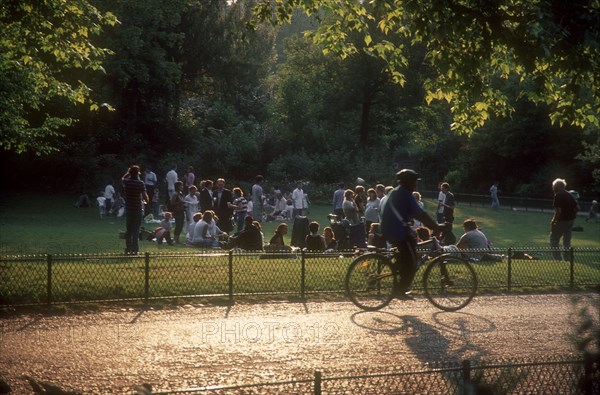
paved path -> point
(191, 346)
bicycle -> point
(449, 281)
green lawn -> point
(37, 224)
(32, 225)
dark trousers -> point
(561, 229)
(179, 217)
(339, 212)
(132, 232)
(406, 263)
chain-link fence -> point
(51, 279)
(508, 202)
(554, 376)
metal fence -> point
(555, 376)
(517, 203)
(59, 279)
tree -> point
(144, 74)
(551, 46)
(41, 45)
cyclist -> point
(399, 210)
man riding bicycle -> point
(398, 211)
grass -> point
(171, 275)
(37, 224)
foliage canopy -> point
(551, 46)
(41, 44)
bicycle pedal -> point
(447, 282)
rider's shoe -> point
(404, 296)
(402, 293)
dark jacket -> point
(223, 211)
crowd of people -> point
(207, 214)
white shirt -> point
(298, 198)
(191, 205)
(441, 201)
(171, 178)
(199, 231)
(150, 178)
(109, 192)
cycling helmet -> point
(407, 175)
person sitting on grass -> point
(163, 232)
(258, 226)
(277, 243)
(429, 242)
(474, 238)
(216, 232)
(280, 208)
(314, 241)
(202, 236)
(118, 208)
(375, 237)
(249, 238)
(331, 243)
(190, 231)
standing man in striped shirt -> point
(135, 198)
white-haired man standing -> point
(565, 211)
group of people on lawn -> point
(208, 214)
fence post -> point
(589, 373)
(466, 372)
(571, 267)
(147, 277)
(317, 382)
(302, 275)
(49, 279)
(509, 269)
(230, 279)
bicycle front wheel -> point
(450, 283)
(370, 282)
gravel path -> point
(192, 346)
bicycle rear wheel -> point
(370, 281)
(450, 283)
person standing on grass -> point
(171, 178)
(565, 211)
(371, 209)
(594, 211)
(257, 199)
(298, 200)
(440, 208)
(240, 208)
(494, 196)
(338, 201)
(135, 198)
(206, 196)
(191, 204)
(177, 206)
(151, 182)
(223, 198)
(190, 178)
(448, 204)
